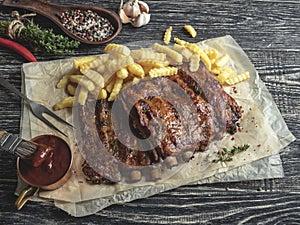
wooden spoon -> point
(53, 12)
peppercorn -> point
(87, 24)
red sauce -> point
(44, 152)
(53, 167)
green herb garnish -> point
(226, 155)
(42, 40)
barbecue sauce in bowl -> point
(50, 165)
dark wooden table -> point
(269, 32)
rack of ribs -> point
(170, 117)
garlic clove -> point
(123, 17)
(131, 8)
(141, 20)
(143, 6)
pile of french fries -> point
(105, 75)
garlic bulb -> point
(124, 18)
(134, 12)
(141, 20)
(132, 8)
(143, 7)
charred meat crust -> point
(179, 135)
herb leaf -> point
(226, 155)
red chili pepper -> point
(18, 48)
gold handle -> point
(25, 195)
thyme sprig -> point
(226, 155)
(42, 40)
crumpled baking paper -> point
(262, 127)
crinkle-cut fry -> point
(194, 63)
(212, 53)
(183, 51)
(142, 54)
(193, 47)
(71, 89)
(94, 76)
(198, 51)
(100, 69)
(239, 78)
(98, 62)
(64, 103)
(135, 80)
(117, 48)
(191, 30)
(122, 73)
(165, 71)
(110, 85)
(116, 89)
(115, 65)
(177, 57)
(167, 35)
(215, 71)
(102, 94)
(222, 61)
(78, 62)
(82, 96)
(205, 60)
(153, 63)
(63, 82)
(136, 70)
(83, 81)
(179, 41)
(224, 75)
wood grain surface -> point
(269, 32)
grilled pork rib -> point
(174, 117)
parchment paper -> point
(262, 127)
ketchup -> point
(50, 162)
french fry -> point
(165, 71)
(167, 35)
(63, 82)
(102, 94)
(83, 95)
(224, 75)
(110, 85)
(94, 76)
(169, 52)
(153, 63)
(198, 51)
(145, 54)
(78, 62)
(98, 62)
(122, 73)
(222, 61)
(116, 89)
(136, 70)
(239, 78)
(183, 51)
(135, 80)
(117, 48)
(194, 63)
(116, 64)
(179, 41)
(84, 82)
(64, 103)
(212, 53)
(205, 60)
(193, 47)
(190, 30)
